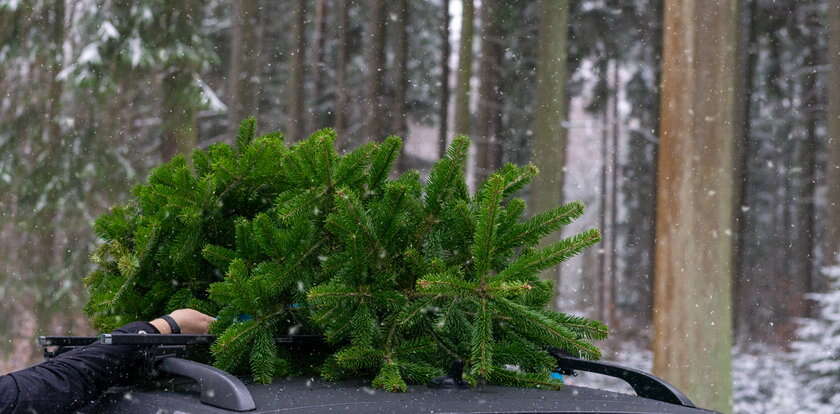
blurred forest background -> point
(93, 93)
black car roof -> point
(301, 395)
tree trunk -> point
(549, 145)
(465, 58)
(318, 67)
(399, 115)
(341, 97)
(612, 281)
(295, 88)
(180, 106)
(744, 292)
(489, 148)
(243, 80)
(375, 57)
(443, 110)
(697, 177)
(832, 169)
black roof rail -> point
(218, 388)
(644, 384)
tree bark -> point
(399, 115)
(832, 170)
(243, 80)
(375, 57)
(316, 114)
(464, 76)
(489, 148)
(549, 143)
(443, 110)
(295, 88)
(341, 96)
(697, 177)
(180, 107)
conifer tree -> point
(393, 272)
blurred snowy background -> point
(93, 93)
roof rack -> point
(645, 385)
(221, 389)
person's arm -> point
(76, 378)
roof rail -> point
(644, 384)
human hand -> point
(189, 320)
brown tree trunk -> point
(465, 57)
(315, 109)
(697, 177)
(744, 292)
(179, 110)
(832, 170)
(295, 88)
(399, 115)
(549, 147)
(489, 145)
(341, 97)
(243, 80)
(443, 109)
(375, 58)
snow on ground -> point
(765, 381)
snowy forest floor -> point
(765, 380)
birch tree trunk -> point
(465, 58)
(697, 175)
(832, 172)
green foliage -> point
(401, 277)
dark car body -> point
(179, 385)
(303, 395)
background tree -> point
(295, 120)
(245, 50)
(832, 169)
(697, 174)
(464, 74)
(375, 71)
(488, 122)
(549, 142)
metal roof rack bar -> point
(644, 384)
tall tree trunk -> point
(315, 110)
(443, 109)
(295, 88)
(465, 58)
(549, 145)
(180, 107)
(603, 202)
(612, 281)
(399, 115)
(375, 57)
(489, 145)
(743, 298)
(341, 96)
(697, 177)
(832, 170)
(243, 80)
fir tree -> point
(393, 272)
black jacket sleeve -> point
(72, 379)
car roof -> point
(307, 395)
